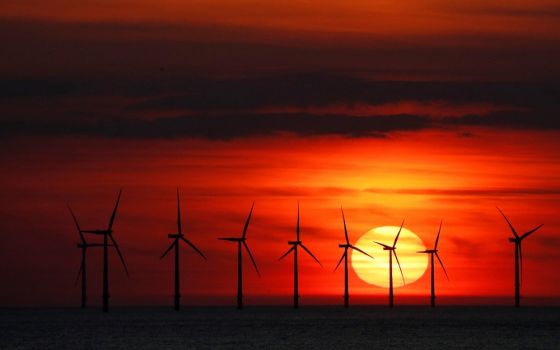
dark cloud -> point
(326, 89)
(297, 90)
(229, 108)
(538, 119)
(225, 127)
(39, 88)
(112, 49)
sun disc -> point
(376, 271)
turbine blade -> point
(297, 229)
(251, 257)
(80, 271)
(168, 249)
(193, 247)
(340, 261)
(509, 223)
(437, 238)
(361, 251)
(527, 234)
(399, 264)
(309, 252)
(77, 225)
(248, 220)
(398, 234)
(381, 244)
(119, 253)
(115, 211)
(345, 231)
(288, 252)
(179, 228)
(443, 267)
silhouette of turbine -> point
(175, 244)
(294, 248)
(433, 252)
(108, 234)
(83, 245)
(344, 257)
(392, 251)
(517, 239)
(241, 241)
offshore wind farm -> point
(242, 246)
(268, 175)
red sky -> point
(393, 110)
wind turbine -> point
(108, 234)
(392, 251)
(433, 252)
(83, 245)
(517, 239)
(175, 244)
(344, 257)
(241, 241)
(294, 248)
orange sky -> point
(392, 109)
(422, 177)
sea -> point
(263, 327)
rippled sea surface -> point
(282, 328)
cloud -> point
(234, 126)
(489, 8)
(199, 94)
(224, 127)
(239, 107)
(475, 192)
(320, 89)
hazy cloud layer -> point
(166, 80)
(232, 108)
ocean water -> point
(360, 327)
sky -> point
(439, 111)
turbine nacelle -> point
(514, 240)
(345, 246)
(429, 251)
(294, 242)
(385, 246)
(175, 235)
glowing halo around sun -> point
(376, 271)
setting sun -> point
(376, 271)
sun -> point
(376, 271)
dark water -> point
(282, 328)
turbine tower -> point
(433, 252)
(108, 234)
(294, 248)
(176, 237)
(344, 257)
(517, 239)
(241, 241)
(83, 245)
(392, 251)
